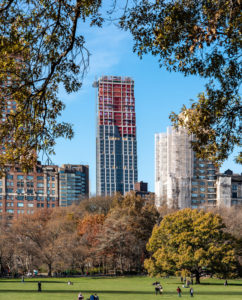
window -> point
(10, 177)
(202, 189)
(10, 211)
(40, 184)
(20, 191)
(20, 204)
(234, 187)
(9, 190)
(10, 204)
(1, 204)
(20, 197)
(30, 177)
(40, 178)
(30, 204)
(234, 195)
(20, 177)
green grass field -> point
(125, 288)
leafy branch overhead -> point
(40, 49)
(197, 37)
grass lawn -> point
(121, 288)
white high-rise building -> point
(181, 180)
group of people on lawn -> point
(92, 297)
(159, 289)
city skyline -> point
(157, 92)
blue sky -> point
(157, 93)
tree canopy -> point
(41, 48)
(191, 242)
(197, 37)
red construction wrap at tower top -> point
(117, 104)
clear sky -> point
(157, 93)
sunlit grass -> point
(125, 288)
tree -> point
(192, 242)
(197, 37)
(126, 231)
(40, 49)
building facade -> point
(73, 184)
(229, 189)
(182, 180)
(46, 186)
(24, 193)
(116, 145)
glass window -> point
(30, 177)
(10, 211)
(40, 178)
(20, 177)
(20, 204)
(9, 176)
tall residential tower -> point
(182, 180)
(116, 161)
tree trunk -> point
(50, 270)
(197, 274)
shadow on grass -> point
(207, 293)
(31, 281)
(222, 283)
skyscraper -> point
(182, 180)
(116, 146)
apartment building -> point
(116, 145)
(182, 180)
(73, 184)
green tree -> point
(197, 37)
(41, 48)
(192, 242)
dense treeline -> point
(105, 235)
(123, 235)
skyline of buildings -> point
(181, 180)
(116, 145)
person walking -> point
(178, 291)
(96, 297)
(157, 289)
(191, 292)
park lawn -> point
(117, 288)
